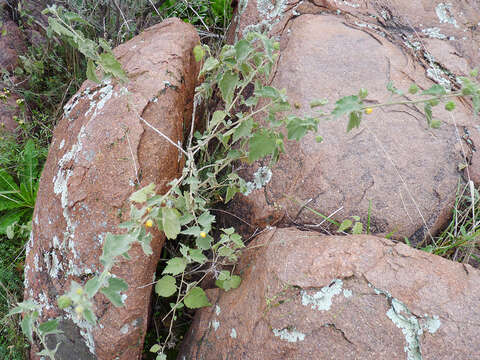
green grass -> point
(460, 241)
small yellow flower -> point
(79, 291)
(149, 223)
(149, 209)
(203, 234)
(368, 111)
(79, 310)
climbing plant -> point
(252, 123)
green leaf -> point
(90, 316)
(145, 239)
(28, 168)
(435, 124)
(428, 113)
(393, 89)
(92, 286)
(231, 191)
(27, 325)
(262, 143)
(198, 52)
(450, 106)
(243, 130)
(166, 286)
(346, 105)
(297, 128)
(141, 195)
(155, 348)
(198, 256)
(242, 49)
(232, 282)
(413, 89)
(435, 89)
(204, 243)
(346, 224)
(11, 217)
(206, 220)
(91, 74)
(354, 120)
(175, 266)
(48, 327)
(115, 245)
(357, 228)
(217, 117)
(227, 86)
(210, 64)
(192, 230)
(318, 102)
(111, 66)
(171, 222)
(112, 291)
(196, 298)
(58, 28)
(268, 92)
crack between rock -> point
(333, 326)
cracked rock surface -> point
(308, 296)
(394, 165)
(102, 152)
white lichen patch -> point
(434, 33)
(347, 3)
(347, 293)
(431, 324)
(412, 326)
(261, 178)
(233, 333)
(215, 324)
(86, 329)
(444, 14)
(322, 300)
(56, 266)
(56, 242)
(217, 310)
(124, 329)
(62, 144)
(289, 335)
(270, 11)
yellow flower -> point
(368, 111)
(203, 234)
(149, 223)
(79, 291)
(79, 310)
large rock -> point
(12, 45)
(393, 167)
(100, 152)
(309, 296)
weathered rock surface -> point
(309, 296)
(394, 164)
(12, 44)
(101, 149)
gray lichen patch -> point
(322, 300)
(412, 326)
(289, 335)
(270, 11)
(233, 333)
(444, 14)
(434, 33)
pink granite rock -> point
(101, 152)
(395, 167)
(308, 296)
